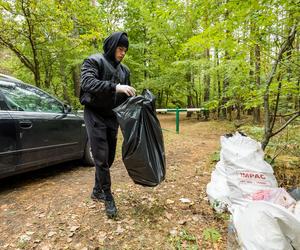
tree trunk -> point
(238, 115)
(206, 86)
(189, 80)
(160, 98)
(219, 84)
(224, 110)
(76, 79)
(256, 111)
(37, 77)
(225, 81)
(167, 99)
(63, 78)
(269, 123)
(32, 40)
(145, 54)
(297, 101)
(48, 76)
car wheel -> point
(88, 158)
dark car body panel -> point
(8, 144)
(30, 140)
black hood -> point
(109, 46)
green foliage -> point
(285, 143)
(211, 234)
(199, 51)
(184, 240)
(55, 37)
(254, 132)
(215, 157)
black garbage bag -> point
(143, 148)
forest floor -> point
(51, 208)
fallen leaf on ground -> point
(50, 234)
(74, 228)
(168, 201)
(185, 200)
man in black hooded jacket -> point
(105, 84)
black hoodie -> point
(109, 47)
(100, 75)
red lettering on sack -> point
(250, 175)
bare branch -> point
(169, 41)
(278, 153)
(288, 114)
(269, 120)
(273, 118)
(286, 124)
(285, 46)
(269, 55)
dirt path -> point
(52, 209)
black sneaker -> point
(110, 208)
(98, 196)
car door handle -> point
(25, 124)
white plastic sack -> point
(246, 169)
(277, 196)
(237, 147)
(262, 225)
(242, 184)
(217, 190)
(240, 172)
(297, 210)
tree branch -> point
(168, 41)
(288, 114)
(269, 121)
(285, 46)
(22, 57)
(287, 123)
(273, 118)
(32, 40)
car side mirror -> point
(67, 109)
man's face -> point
(120, 53)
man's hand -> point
(128, 90)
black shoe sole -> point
(112, 216)
(94, 198)
(111, 209)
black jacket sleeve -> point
(127, 80)
(90, 75)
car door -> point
(8, 141)
(47, 134)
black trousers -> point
(102, 133)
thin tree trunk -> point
(206, 86)
(145, 54)
(226, 80)
(189, 79)
(31, 38)
(63, 78)
(76, 79)
(167, 97)
(251, 71)
(297, 102)
(268, 133)
(224, 94)
(238, 115)
(160, 98)
(256, 111)
(218, 84)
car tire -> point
(88, 158)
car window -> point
(3, 105)
(28, 98)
